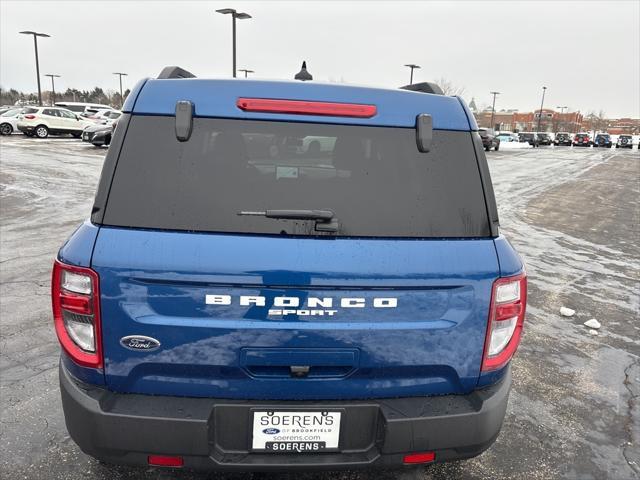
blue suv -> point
(287, 275)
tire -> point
(41, 131)
(497, 147)
(6, 129)
(487, 148)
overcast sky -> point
(587, 53)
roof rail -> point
(175, 72)
(424, 87)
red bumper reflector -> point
(425, 457)
(303, 107)
(165, 461)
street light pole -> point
(53, 87)
(561, 114)
(544, 90)
(412, 66)
(35, 44)
(246, 71)
(234, 15)
(493, 107)
(121, 74)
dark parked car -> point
(544, 139)
(530, 138)
(99, 135)
(562, 138)
(603, 140)
(581, 140)
(489, 139)
(624, 141)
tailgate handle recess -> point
(299, 362)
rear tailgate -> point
(423, 335)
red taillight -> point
(75, 296)
(29, 117)
(424, 457)
(506, 320)
(165, 461)
(302, 107)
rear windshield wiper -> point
(325, 219)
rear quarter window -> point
(374, 179)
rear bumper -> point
(214, 434)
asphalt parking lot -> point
(574, 411)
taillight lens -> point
(506, 319)
(29, 117)
(75, 296)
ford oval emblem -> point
(139, 343)
(270, 431)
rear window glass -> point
(373, 179)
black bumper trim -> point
(125, 428)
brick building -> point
(551, 121)
(502, 121)
(630, 126)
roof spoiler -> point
(424, 87)
(175, 72)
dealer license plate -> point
(296, 432)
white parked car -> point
(105, 117)
(9, 121)
(42, 121)
(82, 108)
(508, 137)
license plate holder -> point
(295, 431)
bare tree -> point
(596, 121)
(449, 88)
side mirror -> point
(424, 132)
(77, 117)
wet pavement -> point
(574, 409)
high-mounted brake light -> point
(303, 107)
(75, 296)
(506, 319)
